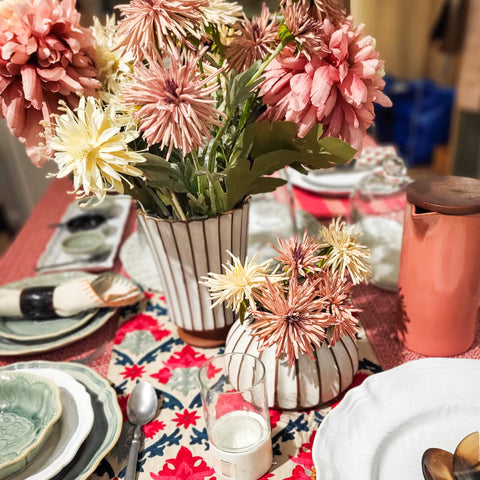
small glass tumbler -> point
(236, 414)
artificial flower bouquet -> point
(187, 105)
(299, 300)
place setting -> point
(49, 311)
(58, 420)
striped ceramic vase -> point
(308, 383)
(185, 251)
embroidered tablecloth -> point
(147, 347)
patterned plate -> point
(107, 424)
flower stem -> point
(215, 143)
(177, 208)
(264, 65)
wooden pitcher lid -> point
(446, 194)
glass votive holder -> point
(236, 415)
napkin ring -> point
(37, 303)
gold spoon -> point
(437, 464)
(466, 459)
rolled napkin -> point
(69, 298)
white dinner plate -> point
(330, 181)
(139, 263)
(107, 424)
(67, 434)
(381, 428)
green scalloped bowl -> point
(29, 407)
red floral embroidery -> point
(267, 475)
(186, 418)
(358, 380)
(274, 417)
(163, 375)
(133, 372)
(142, 322)
(212, 371)
(184, 467)
(233, 401)
(304, 457)
(299, 473)
(186, 357)
(152, 428)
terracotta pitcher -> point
(439, 278)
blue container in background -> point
(419, 119)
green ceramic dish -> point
(29, 407)
(107, 425)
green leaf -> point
(263, 149)
(239, 88)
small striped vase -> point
(185, 251)
(308, 383)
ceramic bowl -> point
(29, 407)
(84, 242)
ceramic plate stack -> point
(25, 336)
(87, 429)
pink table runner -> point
(20, 260)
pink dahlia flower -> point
(174, 104)
(45, 56)
(336, 88)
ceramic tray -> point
(381, 428)
(112, 229)
(107, 424)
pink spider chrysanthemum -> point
(149, 27)
(299, 257)
(253, 41)
(336, 89)
(45, 56)
(302, 25)
(174, 104)
(335, 292)
(294, 321)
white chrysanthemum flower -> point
(239, 282)
(92, 145)
(344, 252)
(221, 12)
(114, 63)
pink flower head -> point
(299, 257)
(45, 56)
(335, 292)
(293, 321)
(253, 41)
(336, 88)
(151, 27)
(174, 103)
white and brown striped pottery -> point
(185, 251)
(308, 383)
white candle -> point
(241, 446)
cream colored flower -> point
(239, 282)
(221, 12)
(91, 144)
(343, 251)
(114, 63)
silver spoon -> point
(141, 408)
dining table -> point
(140, 342)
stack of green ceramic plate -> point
(87, 429)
